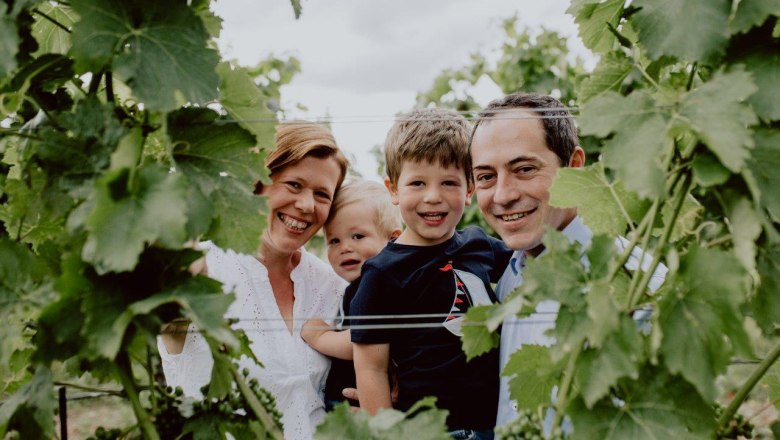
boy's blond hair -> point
(432, 135)
(375, 196)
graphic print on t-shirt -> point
(469, 291)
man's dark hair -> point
(560, 133)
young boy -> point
(433, 273)
(363, 219)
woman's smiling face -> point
(299, 201)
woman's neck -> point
(277, 261)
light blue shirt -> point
(531, 330)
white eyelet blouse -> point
(294, 372)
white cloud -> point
(363, 58)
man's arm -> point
(371, 362)
(321, 337)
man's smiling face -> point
(513, 171)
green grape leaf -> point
(592, 17)
(699, 312)
(30, 411)
(752, 13)
(609, 74)
(766, 302)
(605, 206)
(708, 171)
(131, 210)
(422, 420)
(620, 354)
(159, 49)
(36, 213)
(9, 41)
(745, 223)
(687, 219)
(50, 37)
(764, 164)
(716, 113)
(246, 103)
(532, 376)
(763, 64)
(219, 160)
(296, 5)
(603, 311)
(557, 274)
(665, 28)
(635, 149)
(656, 406)
(477, 337)
(600, 253)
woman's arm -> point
(371, 362)
(321, 337)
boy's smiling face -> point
(353, 238)
(431, 199)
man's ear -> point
(577, 159)
(393, 191)
(395, 234)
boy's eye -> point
(333, 241)
(451, 183)
(358, 236)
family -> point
(400, 276)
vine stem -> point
(90, 389)
(748, 386)
(255, 405)
(51, 19)
(568, 380)
(668, 228)
(124, 372)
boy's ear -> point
(395, 234)
(470, 193)
(393, 191)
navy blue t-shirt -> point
(342, 372)
(439, 282)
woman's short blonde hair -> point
(376, 199)
(296, 140)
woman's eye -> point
(322, 195)
(293, 185)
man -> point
(518, 144)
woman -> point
(279, 286)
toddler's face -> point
(352, 238)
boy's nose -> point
(432, 195)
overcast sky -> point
(363, 61)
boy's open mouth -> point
(350, 262)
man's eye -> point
(526, 170)
(484, 177)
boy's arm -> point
(371, 362)
(321, 337)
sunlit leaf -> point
(159, 49)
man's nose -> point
(507, 190)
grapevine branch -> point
(747, 387)
(51, 19)
(255, 405)
(124, 372)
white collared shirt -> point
(293, 372)
(531, 330)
